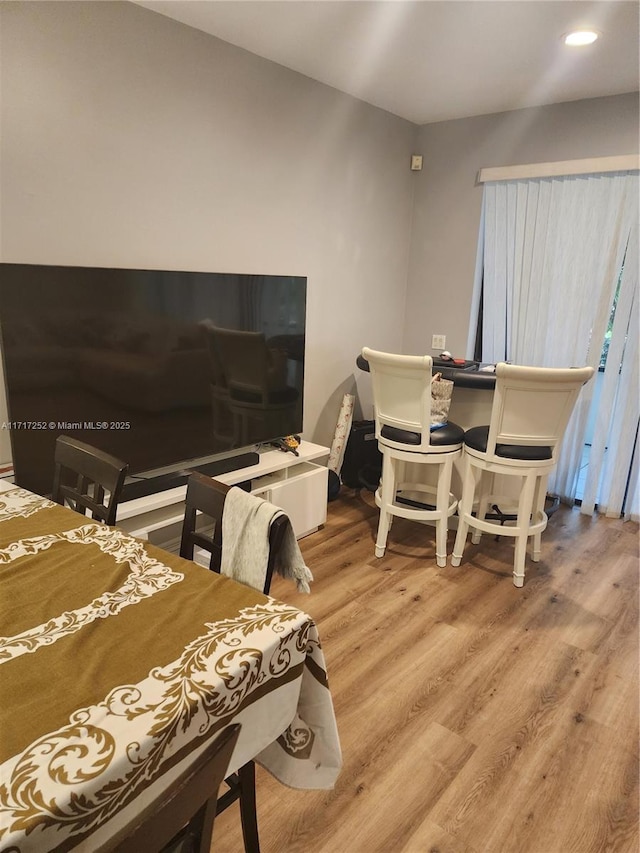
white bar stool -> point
(530, 413)
(402, 405)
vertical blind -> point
(555, 251)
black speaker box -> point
(362, 463)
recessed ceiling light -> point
(577, 38)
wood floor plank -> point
(474, 717)
(402, 778)
(431, 838)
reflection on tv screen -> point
(159, 368)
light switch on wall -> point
(438, 342)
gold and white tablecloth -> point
(118, 661)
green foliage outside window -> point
(608, 333)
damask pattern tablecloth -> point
(119, 660)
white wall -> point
(448, 199)
(131, 140)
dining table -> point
(119, 662)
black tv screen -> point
(159, 368)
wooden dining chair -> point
(182, 819)
(206, 496)
(87, 479)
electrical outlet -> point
(438, 342)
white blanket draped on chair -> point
(246, 520)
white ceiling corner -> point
(432, 60)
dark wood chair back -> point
(82, 477)
(207, 496)
(182, 818)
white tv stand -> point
(297, 484)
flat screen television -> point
(164, 369)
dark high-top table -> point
(467, 375)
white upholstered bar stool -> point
(531, 410)
(402, 406)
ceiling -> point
(432, 60)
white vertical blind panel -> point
(495, 293)
(553, 248)
(525, 210)
(625, 413)
(600, 216)
(477, 288)
(632, 503)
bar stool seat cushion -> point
(450, 433)
(476, 438)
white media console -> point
(297, 484)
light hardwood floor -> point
(474, 717)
